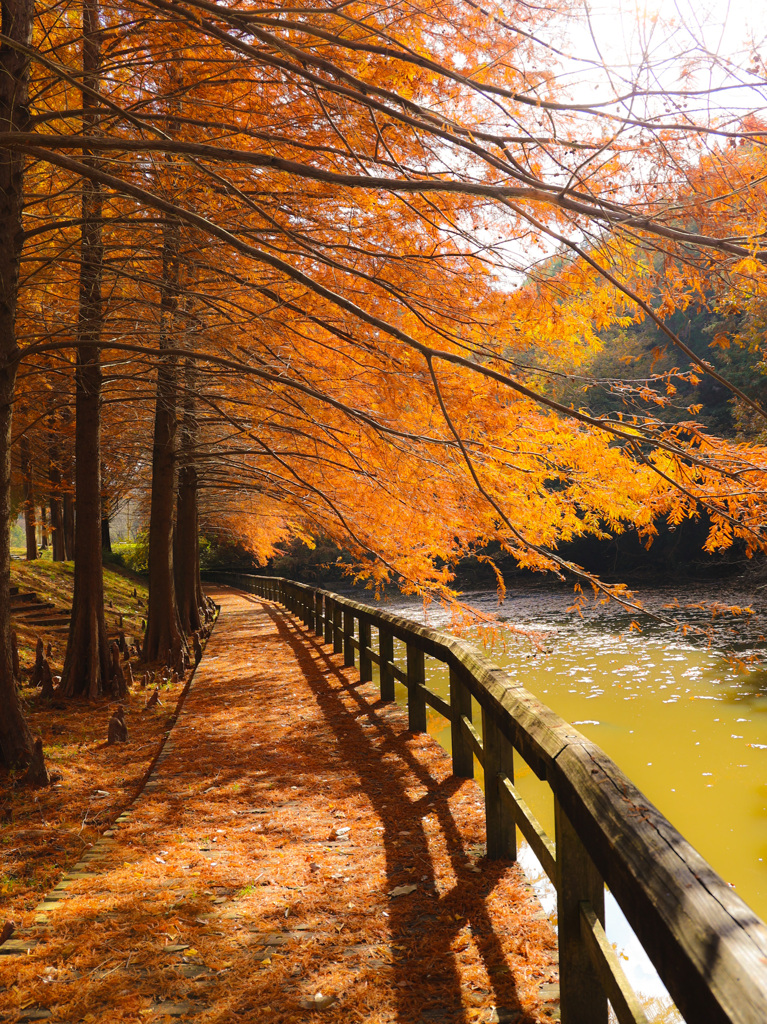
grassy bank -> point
(54, 582)
(46, 831)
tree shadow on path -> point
(426, 927)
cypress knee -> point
(37, 672)
(117, 731)
(47, 680)
(118, 677)
(36, 774)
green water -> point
(679, 718)
(689, 730)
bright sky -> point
(723, 26)
(714, 41)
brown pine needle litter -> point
(297, 855)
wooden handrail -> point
(708, 946)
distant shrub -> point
(133, 555)
(116, 556)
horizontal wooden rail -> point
(473, 738)
(708, 946)
(436, 702)
(398, 674)
(529, 826)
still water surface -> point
(685, 722)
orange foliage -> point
(369, 208)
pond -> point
(682, 714)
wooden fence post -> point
(582, 999)
(498, 761)
(318, 624)
(348, 636)
(338, 635)
(386, 655)
(366, 663)
(308, 601)
(330, 611)
(416, 680)
(460, 706)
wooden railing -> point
(707, 945)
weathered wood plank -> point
(582, 1000)
(541, 845)
(386, 656)
(338, 633)
(708, 947)
(416, 703)
(349, 643)
(473, 738)
(398, 674)
(623, 1000)
(500, 828)
(436, 702)
(366, 664)
(460, 702)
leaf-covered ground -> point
(43, 834)
(296, 855)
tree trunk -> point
(187, 552)
(54, 478)
(106, 540)
(163, 630)
(186, 557)
(69, 526)
(68, 500)
(30, 521)
(43, 527)
(57, 530)
(86, 666)
(186, 542)
(16, 745)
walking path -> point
(296, 855)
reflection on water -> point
(686, 724)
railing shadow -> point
(464, 903)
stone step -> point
(61, 619)
(31, 608)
